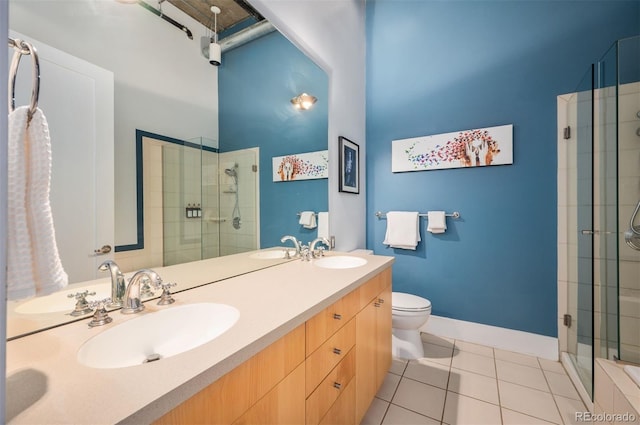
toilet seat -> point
(403, 302)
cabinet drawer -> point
(328, 321)
(342, 410)
(332, 387)
(374, 286)
(325, 358)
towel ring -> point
(23, 48)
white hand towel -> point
(323, 225)
(33, 262)
(403, 230)
(308, 219)
(437, 223)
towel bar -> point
(454, 214)
(298, 214)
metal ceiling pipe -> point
(246, 35)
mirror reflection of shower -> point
(192, 200)
(236, 219)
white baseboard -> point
(531, 344)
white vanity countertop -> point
(47, 385)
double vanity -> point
(296, 342)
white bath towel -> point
(33, 263)
(323, 225)
(403, 230)
(437, 222)
(308, 219)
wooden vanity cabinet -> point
(326, 371)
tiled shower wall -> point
(629, 195)
(152, 253)
(245, 238)
(175, 177)
(182, 177)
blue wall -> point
(441, 66)
(256, 83)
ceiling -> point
(232, 11)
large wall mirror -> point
(116, 76)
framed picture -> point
(465, 148)
(301, 166)
(349, 166)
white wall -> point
(162, 82)
(332, 33)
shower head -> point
(230, 172)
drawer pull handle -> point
(337, 316)
(337, 385)
(376, 304)
(380, 300)
(337, 351)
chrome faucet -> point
(117, 282)
(132, 303)
(296, 243)
(318, 252)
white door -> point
(77, 100)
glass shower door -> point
(581, 237)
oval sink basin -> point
(158, 335)
(272, 254)
(59, 301)
(340, 262)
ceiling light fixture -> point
(215, 52)
(304, 101)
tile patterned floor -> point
(462, 383)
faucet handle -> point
(147, 283)
(82, 306)
(305, 253)
(100, 316)
(166, 298)
(81, 295)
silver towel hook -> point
(22, 48)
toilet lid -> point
(409, 302)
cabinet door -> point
(366, 363)
(373, 349)
(226, 399)
(284, 404)
(383, 336)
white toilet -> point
(409, 314)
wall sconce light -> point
(304, 101)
